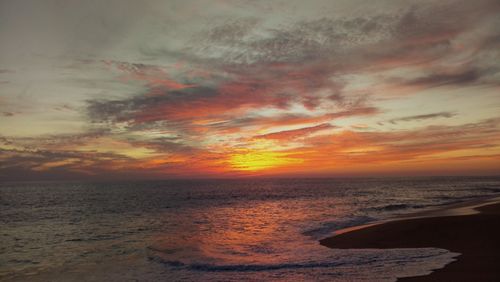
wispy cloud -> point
(289, 135)
(423, 117)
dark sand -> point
(476, 237)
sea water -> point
(215, 230)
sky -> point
(217, 88)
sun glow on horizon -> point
(254, 160)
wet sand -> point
(475, 236)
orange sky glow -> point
(249, 89)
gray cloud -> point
(423, 117)
(143, 106)
(38, 164)
(421, 32)
(442, 79)
(166, 145)
(54, 141)
(295, 133)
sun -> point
(254, 160)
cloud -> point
(423, 117)
(288, 135)
(174, 104)
(362, 147)
(435, 80)
(244, 91)
(419, 33)
(173, 145)
(48, 142)
(62, 157)
(71, 161)
(154, 76)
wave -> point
(327, 262)
(445, 199)
(327, 228)
(243, 267)
(491, 189)
(396, 207)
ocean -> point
(216, 230)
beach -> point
(474, 234)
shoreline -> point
(470, 228)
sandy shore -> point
(475, 234)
